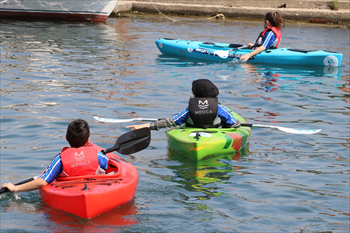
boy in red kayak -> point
(77, 160)
(269, 38)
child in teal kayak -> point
(203, 111)
(77, 160)
(269, 38)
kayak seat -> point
(331, 51)
(113, 166)
(301, 50)
(235, 45)
(210, 43)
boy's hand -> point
(133, 127)
(237, 124)
(10, 187)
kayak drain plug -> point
(85, 187)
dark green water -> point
(54, 72)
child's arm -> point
(178, 119)
(38, 183)
(253, 53)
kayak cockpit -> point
(114, 170)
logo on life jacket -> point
(203, 105)
(79, 161)
(79, 157)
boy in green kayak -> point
(77, 160)
(203, 111)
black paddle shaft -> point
(5, 190)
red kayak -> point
(90, 196)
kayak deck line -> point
(84, 181)
(97, 182)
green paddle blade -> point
(132, 142)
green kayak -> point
(198, 143)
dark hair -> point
(275, 19)
(78, 133)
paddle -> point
(284, 129)
(131, 142)
(128, 143)
(111, 120)
(5, 190)
(224, 53)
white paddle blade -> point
(299, 131)
(290, 130)
(112, 120)
(222, 53)
(115, 120)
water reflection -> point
(108, 222)
(267, 78)
(266, 70)
(195, 176)
(61, 221)
(302, 71)
(84, 48)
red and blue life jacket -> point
(274, 30)
(79, 161)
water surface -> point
(54, 72)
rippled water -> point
(53, 72)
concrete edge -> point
(232, 12)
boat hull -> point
(198, 144)
(90, 196)
(222, 52)
(90, 10)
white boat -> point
(91, 10)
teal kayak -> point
(198, 143)
(224, 52)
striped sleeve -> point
(53, 170)
(181, 117)
(227, 119)
(269, 39)
(102, 160)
